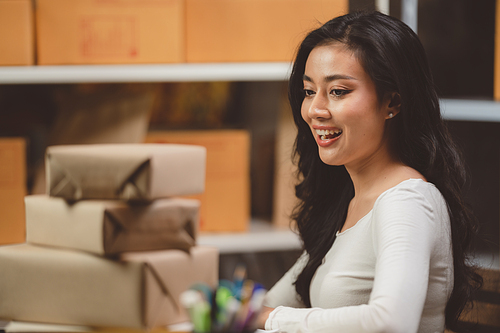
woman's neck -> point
(378, 173)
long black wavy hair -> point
(392, 55)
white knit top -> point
(391, 272)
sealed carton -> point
(253, 30)
(496, 74)
(140, 172)
(284, 199)
(16, 33)
(225, 205)
(109, 32)
(141, 290)
(12, 190)
(111, 227)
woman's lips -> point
(327, 136)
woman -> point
(381, 216)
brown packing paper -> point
(47, 285)
(125, 171)
(111, 227)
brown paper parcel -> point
(107, 227)
(47, 285)
(125, 171)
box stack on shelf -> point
(110, 32)
(82, 32)
(111, 246)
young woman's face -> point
(342, 108)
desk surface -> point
(262, 237)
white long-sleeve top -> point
(391, 272)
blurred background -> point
(458, 36)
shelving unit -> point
(453, 109)
(261, 236)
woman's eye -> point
(308, 92)
(339, 92)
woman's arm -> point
(404, 229)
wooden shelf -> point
(273, 71)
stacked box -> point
(12, 190)
(109, 32)
(111, 245)
(16, 33)
(253, 30)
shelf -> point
(470, 110)
(453, 109)
(262, 237)
(274, 71)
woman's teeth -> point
(328, 134)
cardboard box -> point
(16, 33)
(253, 30)
(97, 114)
(110, 31)
(496, 85)
(112, 227)
(141, 290)
(225, 205)
(125, 171)
(12, 190)
(285, 179)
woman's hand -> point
(263, 315)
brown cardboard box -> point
(110, 31)
(225, 205)
(141, 172)
(496, 86)
(16, 33)
(12, 190)
(141, 290)
(252, 30)
(285, 170)
(106, 227)
(97, 114)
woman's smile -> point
(326, 136)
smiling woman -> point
(381, 216)
(341, 97)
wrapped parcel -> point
(109, 227)
(141, 290)
(141, 172)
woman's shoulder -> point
(412, 192)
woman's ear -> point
(394, 105)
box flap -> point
(140, 172)
(126, 177)
(177, 270)
(163, 224)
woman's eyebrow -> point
(331, 78)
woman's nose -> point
(319, 108)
